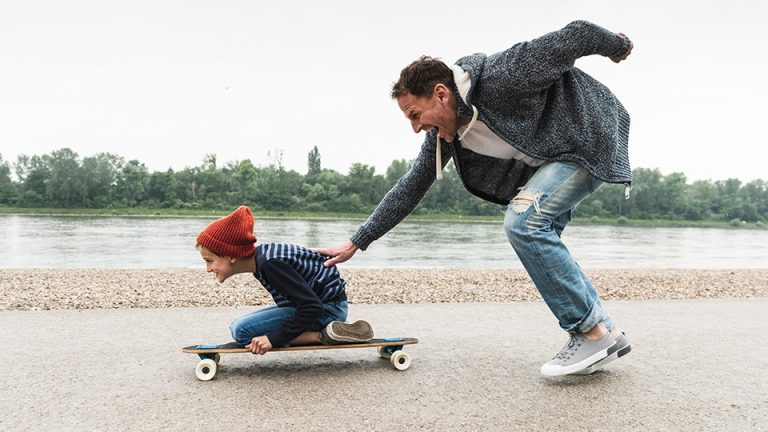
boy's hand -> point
(259, 345)
(339, 253)
(617, 59)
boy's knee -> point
(237, 332)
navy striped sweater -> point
(295, 277)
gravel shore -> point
(44, 289)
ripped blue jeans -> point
(534, 222)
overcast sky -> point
(166, 82)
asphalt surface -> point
(695, 365)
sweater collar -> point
(258, 257)
(462, 109)
(463, 86)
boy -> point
(311, 303)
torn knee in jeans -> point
(524, 200)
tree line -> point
(61, 179)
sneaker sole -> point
(589, 370)
(567, 370)
(358, 331)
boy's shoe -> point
(340, 332)
(621, 348)
(578, 354)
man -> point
(525, 128)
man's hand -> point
(617, 59)
(339, 253)
(259, 345)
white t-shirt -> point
(479, 138)
(482, 140)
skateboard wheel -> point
(401, 360)
(217, 358)
(206, 369)
(384, 353)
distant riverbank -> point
(44, 289)
(443, 217)
(139, 242)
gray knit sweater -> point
(532, 97)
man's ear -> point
(232, 260)
(442, 92)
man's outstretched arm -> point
(534, 65)
(398, 203)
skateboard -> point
(210, 355)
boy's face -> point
(220, 266)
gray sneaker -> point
(340, 332)
(621, 348)
(578, 354)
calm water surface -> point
(137, 242)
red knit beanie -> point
(231, 235)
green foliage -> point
(396, 169)
(7, 188)
(132, 184)
(655, 196)
(106, 181)
(313, 163)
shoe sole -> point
(567, 370)
(358, 331)
(599, 364)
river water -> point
(155, 242)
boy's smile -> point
(220, 266)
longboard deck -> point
(210, 355)
(234, 347)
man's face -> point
(220, 266)
(427, 113)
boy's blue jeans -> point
(534, 221)
(269, 319)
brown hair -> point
(198, 246)
(420, 78)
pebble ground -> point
(46, 289)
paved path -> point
(695, 365)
